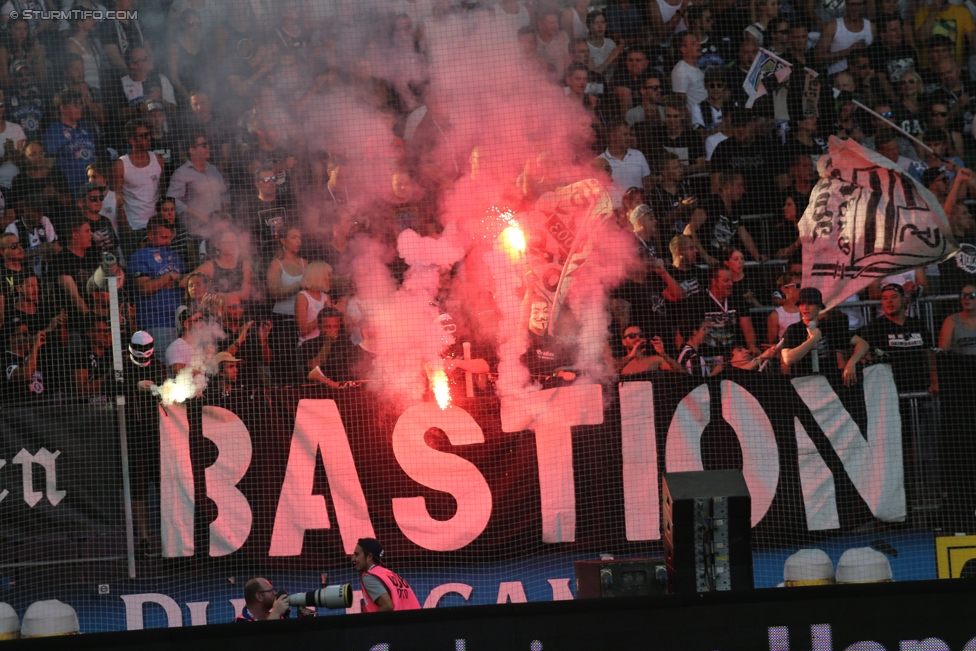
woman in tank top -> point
(958, 334)
(81, 43)
(228, 271)
(286, 271)
(573, 20)
(314, 296)
(786, 314)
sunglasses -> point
(910, 80)
(969, 295)
(655, 87)
(939, 114)
(633, 335)
(269, 179)
(202, 144)
(96, 197)
(13, 246)
(716, 84)
(142, 60)
(797, 285)
(886, 114)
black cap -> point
(372, 546)
(893, 287)
(810, 295)
(89, 186)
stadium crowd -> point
(143, 147)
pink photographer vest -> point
(400, 592)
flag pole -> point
(895, 127)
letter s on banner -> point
(441, 471)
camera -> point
(333, 596)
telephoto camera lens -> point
(333, 596)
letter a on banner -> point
(318, 426)
(551, 414)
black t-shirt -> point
(80, 270)
(836, 337)
(720, 230)
(84, 357)
(688, 146)
(913, 123)
(692, 280)
(141, 406)
(722, 323)
(663, 203)
(35, 322)
(544, 355)
(757, 164)
(10, 281)
(648, 308)
(250, 353)
(905, 347)
(104, 237)
(893, 62)
(337, 366)
(261, 218)
(959, 270)
(29, 390)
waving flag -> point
(561, 231)
(765, 64)
(867, 219)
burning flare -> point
(513, 240)
(441, 388)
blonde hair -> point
(318, 277)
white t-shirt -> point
(179, 352)
(689, 80)
(711, 142)
(627, 173)
(8, 170)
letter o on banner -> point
(741, 410)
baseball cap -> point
(372, 546)
(89, 186)
(810, 295)
(224, 357)
(154, 105)
(893, 287)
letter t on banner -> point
(551, 414)
(642, 498)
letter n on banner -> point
(874, 465)
(318, 426)
(551, 414)
(638, 437)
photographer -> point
(383, 589)
(261, 604)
